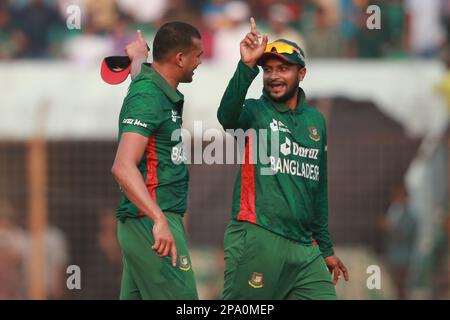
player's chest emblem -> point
(184, 263)
(314, 134)
(256, 280)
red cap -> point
(115, 69)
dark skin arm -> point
(128, 176)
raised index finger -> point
(253, 25)
(139, 35)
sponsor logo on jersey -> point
(276, 125)
(256, 280)
(184, 264)
(314, 134)
(291, 147)
(285, 148)
(134, 122)
(294, 168)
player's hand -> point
(137, 48)
(335, 266)
(164, 242)
(251, 48)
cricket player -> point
(151, 171)
(270, 244)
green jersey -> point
(293, 200)
(154, 109)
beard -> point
(290, 92)
(187, 77)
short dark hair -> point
(173, 36)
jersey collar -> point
(281, 107)
(174, 95)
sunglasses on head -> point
(282, 47)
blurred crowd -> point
(16, 254)
(325, 28)
(101, 265)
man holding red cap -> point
(115, 69)
(277, 245)
(150, 166)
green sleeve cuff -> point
(327, 252)
(135, 129)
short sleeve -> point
(143, 114)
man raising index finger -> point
(270, 245)
(250, 47)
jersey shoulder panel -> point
(142, 113)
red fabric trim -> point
(248, 212)
(152, 162)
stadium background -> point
(385, 94)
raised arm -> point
(230, 113)
(137, 51)
(250, 47)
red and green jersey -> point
(154, 109)
(293, 200)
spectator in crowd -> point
(89, 47)
(104, 268)
(56, 264)
(322, 40)
(258, 8)
(401, 227)
(13, 253)
(330, 28)
(370, 43)
(213, 20)
(12, 41)
(394, 22)
(143, 11)
(331, 10)
(213, 13)
(280, 16)
(237, 14)
(63, 5)
(20, 4)
(446, 18)
(36, 21)
(181, 10)
(424, 30)
(121, 36)
(348, 26)
(15, 258)
(103, 14)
